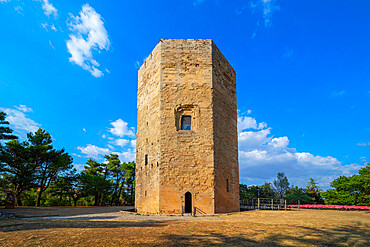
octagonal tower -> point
(187, 144)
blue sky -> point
(303, 87)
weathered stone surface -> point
(187, 77)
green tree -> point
(281, 185)
(5, 131)
(128, 169)
(314, 191)
(114, 166)
(353, 190)
(363, 182)
(93, 182)
(266, 191)
(65, 188)
(247, 192)
(49, 162)
(18, 172)
(254, 191)
(294, 194)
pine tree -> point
(5, 131)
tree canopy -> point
(39, 174)
(281, 185)
(353, 190)
(5, 131)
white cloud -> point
(252, 139)
(249, 123)
(48, 27)
(262, 156)
(127, 156)
(137, 64)
(364, 144)
(88, 34)
(133, 143)
(336, 94)
(79, 167)
(125, 148)
(19, 9)
(279, 143)
(93, 151)
(268, 7)
(120, 128)
(121, 142)
(48, 8)
(51, 44)
(19, 122)
(24, 108)
(84, 129)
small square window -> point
(186, 123)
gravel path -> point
(123, 216)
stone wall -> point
(148, 135)
(187, 156)
(225, 134)
(187, 78)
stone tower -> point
(187, 146)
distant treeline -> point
(353, 190)
(37, 174)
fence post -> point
(272, 204)
(285, 204)
(194, 211)
(258, 203)
(299, 205)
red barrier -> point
(320, 206)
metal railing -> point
(263, 204)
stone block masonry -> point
(187, 147)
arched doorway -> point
(188, 202)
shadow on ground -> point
(30, 212)
(176, 233)
(21, 225)
(358, 235)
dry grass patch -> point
(254, 228)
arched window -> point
(186, 123)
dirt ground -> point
(252, 228)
